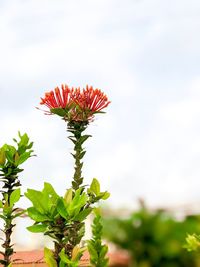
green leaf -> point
(3, 217)
(50, 198)
(68, 196)
(9, 156)
(81, 216)
(95, 187)
(18, 214)
(48, 188)
(64, 257)
(23, 157)
(7, 210)
(37, 228)
(92, 250)
(15, 196)
(59, 111)
(77, 202)
(36, 215)
(38, 200)
(1, 204)
(103, 252)
(2, 156)
(82, 154)
(49, 258)
(84, 138)
(62, 264)
(105, 195)
(62, 209)
(30, 145)
(24, 139)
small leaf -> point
(23, 157)
(16, 157)
(2, 156)
(95, 187)
(105, 195)
(64, 257)
(9, 156)
(68, 196)
(81, 216)
(15, 196)
(82, 154)
(59, 111)
(49, 258)
(37, 228)
(3, 217)
(83, 138)
(7, 210)
(103, 252)
(18, 214)
(92, 250)
(77, 202)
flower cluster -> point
(74, 104)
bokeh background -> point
(145, 55)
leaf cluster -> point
(48, 207)
(94, 192)
(62, 218)
(95, 247)
(15, 156)
(65, 260)
(7, 206)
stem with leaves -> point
(77, 129)
(97, 250)
(10, 158)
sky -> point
(145, 56)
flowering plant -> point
(62, 217)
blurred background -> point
(145, 55)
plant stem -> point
(77, 128)
(7, 244)
(10, 183)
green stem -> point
(7, 244)
(10, 183)
(77, 129)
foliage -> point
(11, 157)
(62, 218)
(95, 247)
(153, 239)
(192, 242)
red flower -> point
(56, 99)
(93, 99)
(73, 104)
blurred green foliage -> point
(153, 238)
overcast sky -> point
(145, 55)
